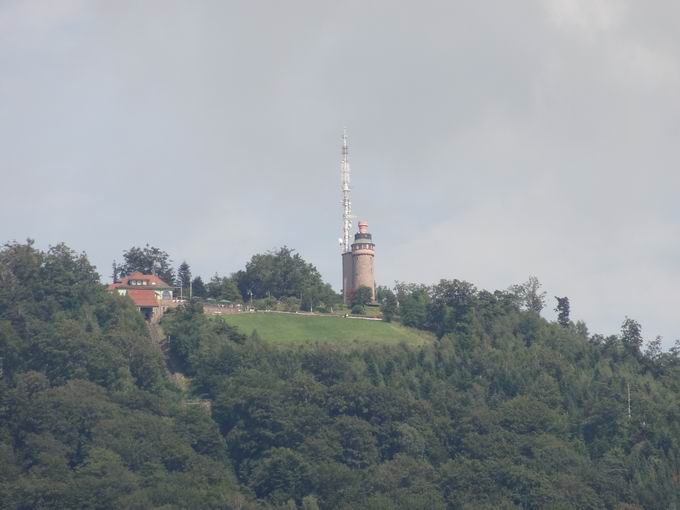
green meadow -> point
(295, 329)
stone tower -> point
(363, 253)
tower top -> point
(363, 227)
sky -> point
(489, 141)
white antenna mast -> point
(346, 201)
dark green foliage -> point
(562, 310)
(361, 297)
(381, 292)
(148, 260)
(192, 335)
(223, 288)
(388, 305)
(503, 410)
(284, 273)
(528, 295)
(357, 442)
(358, 309)
(115, 272)
(184, 277)
(452, 302)
(631, 336)
(281, 475)
(56, 318)
(198, 288)
(87, 419)
(414, 301)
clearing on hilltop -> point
(283, 328)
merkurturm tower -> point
(357, 258)
(363, 252)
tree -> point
(283, 273)
(223, 288)
(357, 440)
(115, 270)
(279, 476)
(631, 335)
(451, 307)
(528, 296)
(562, 310)
(318, 293)
(148, 260)
(654, 351)
(360, 298)
(310, 503)
(187, 327)
(184, 276)
(198, 288)
(381, 292)
(582, 329)
(389, 305)
(414, 301)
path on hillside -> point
(172, 372)
(157, 340)
(161, 342)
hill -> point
(502, 410)
(288, 328)
(88, 417)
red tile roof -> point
(154, 281)
(143, 297)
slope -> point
(294, 329)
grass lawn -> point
(295, 329)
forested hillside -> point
(87, 417)
(503, 410)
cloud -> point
(489, 141)
(588, 16)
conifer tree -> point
(198, 288)
(562, 310)
(184, 275)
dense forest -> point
(503, 410)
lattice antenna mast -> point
(346, 200)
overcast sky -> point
(489, 140)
